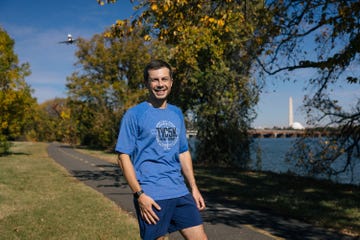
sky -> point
(38, 26)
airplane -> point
(70, 40)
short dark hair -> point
(154, 65)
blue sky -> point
(38, 26)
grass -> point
(40, 200)
(321, 203)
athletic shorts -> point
(175, 214)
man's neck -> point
(157, 103)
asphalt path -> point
(221, 221)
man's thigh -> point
(186, 214)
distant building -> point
(297, 126)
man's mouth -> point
(160, 91)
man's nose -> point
(161, 83)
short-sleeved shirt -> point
(154, 138)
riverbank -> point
(318, 202)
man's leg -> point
(187, 219)
(194, 233)
(159, 230)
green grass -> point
(40, 200)
(321, 203)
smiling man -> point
(154, 157)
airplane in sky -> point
(70, 40)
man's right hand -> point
(146, 205)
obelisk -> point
(291, 114)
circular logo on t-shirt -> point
(166, 134)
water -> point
(273, 151)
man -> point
(154, 157)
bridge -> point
(273, 133)
(276, 133)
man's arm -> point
(188, 171)
(146, 203)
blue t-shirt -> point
(154, 138)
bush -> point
(4, 146)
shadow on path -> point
(222, 220)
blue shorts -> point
(175, 214)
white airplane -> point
(69, 40)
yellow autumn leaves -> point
(101, 2)
(211, 21)
(120, 28)
(183, 15)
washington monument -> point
(291, 114)
(292, 124)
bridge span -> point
(274, 133)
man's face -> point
(159, 83)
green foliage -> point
(16, 102)
(5, 145)
(110, 81)
(224, 115)
(212, 46)
(53, 122)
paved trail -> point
(221, 222)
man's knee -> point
(194, 233)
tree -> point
(204, 38)
(110, 80)
(16, 101)
(53, 122)
(323, 36)
(212, 45)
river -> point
(273, 151)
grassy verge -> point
(39, 200)
(321, 203)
